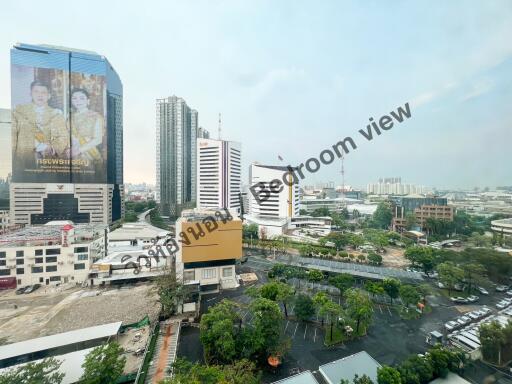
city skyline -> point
(279, 74)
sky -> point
(292, 78)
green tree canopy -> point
(44, 372)
(103, 365)
(382, 215)
(409, 295)
(391, 287)
(388, 375)
(359, 308)
(304, 307)
(342, 281)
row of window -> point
(49, 251)
(208, 273)
(38, 269)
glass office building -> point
(67, 136)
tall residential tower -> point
(67, 136)
(176, 140)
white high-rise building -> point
(282, 200)
(218, 174)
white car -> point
(440, 285)
(463, 320)
(501, 305)
(451, 325)
(486, 311)
(509, 293)
(501, 288)
(472, 298)
(483, 291)
(475, 315)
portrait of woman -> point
(86, 128)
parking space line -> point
(294, 332)
(314, 337)
(305, 331)
(380, 308)
(287, 322)
(390, 314)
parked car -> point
(32, 288)
(21, 290)
(483, 291)
(463, 320)
(502, 305)
(472, 298)
(509, 292)
(440, 285)
(451, 325)
(486, 311)
(460, 300)
(458, 287)
(475, 315)
(501, 288)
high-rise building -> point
(176, 140)
(67, 136)
(218, 174)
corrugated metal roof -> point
(59, 340)
(305, 377)
(360, 363)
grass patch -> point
(408, 313)
(337, 336)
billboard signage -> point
(58, 126)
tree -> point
(332, 311)
(388, 375)
(443, 361)
(416, 370)
(250, 231)
(382, 215)
(304, 307)
(493, 339)
(409, 295)
(44, 372)
(220, 330)
(410, 220)
(421, 257)
(365, 379)
(277, 291)
(392, 288)
(449, 275)
(240, 372)
(319, 300)
(266, 331)
(342, 281)
(374, 258)
(314, 275)
(103, 365)
(359, 308)
(170, 292)
(473, 273)
(375, 288)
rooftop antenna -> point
(220, 126)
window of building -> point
(209, 273)
(51, 259)
(189, 275)
(20, 271)
(80, 249)
(20, 253)
(53, 251)
(51, 268)
(20, 262)
(54, 278)
(2, 255)
(227, 272)
(39, 252)
(83, 256)
(37, 269)
(79, 266)
(2, 263)
(39, 260)
(5, 272)
(41, 279)
(19, 281)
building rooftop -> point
(451, 378)
(360, 364)
(305, 377)
(134, 231)
(59, 340)
(51, 234)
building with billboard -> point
(218, 174)
(67, 136)
(211, 243)
(176, 139)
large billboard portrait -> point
(58, 126)
(87, 126)
(40, 138)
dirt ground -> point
(394, 257)
(39, 314)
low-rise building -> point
(57, 252)
(210, 245)
(503, 226)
